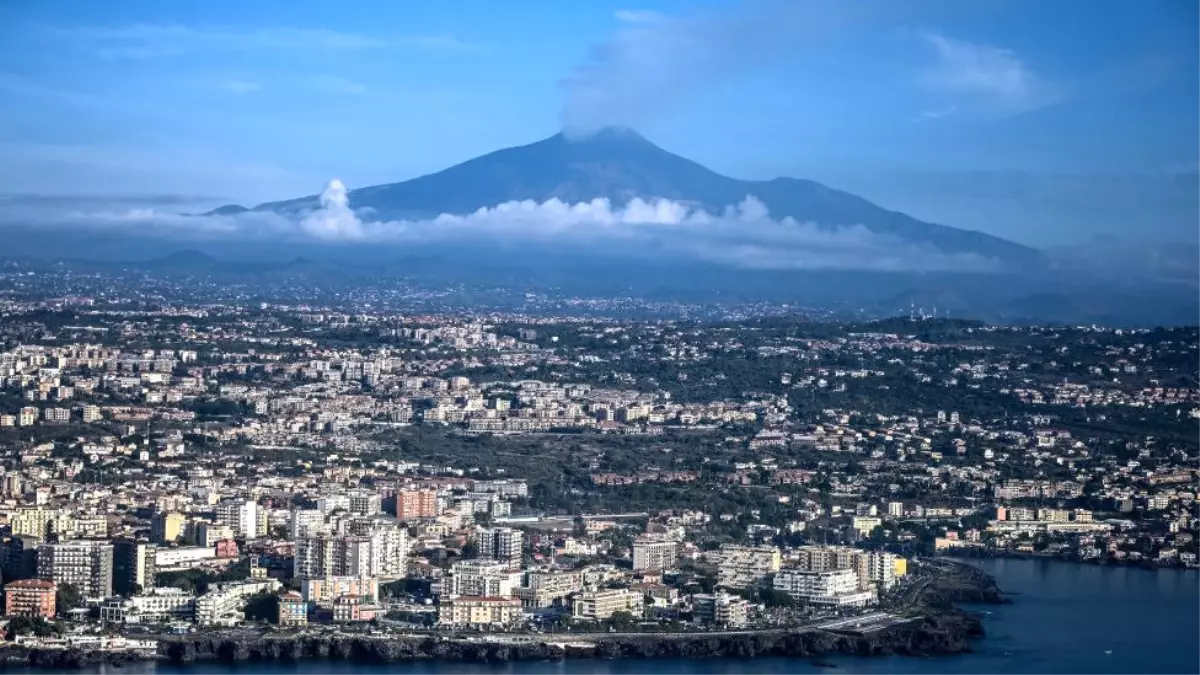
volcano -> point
(618, 164)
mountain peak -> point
(618, 164)
(616, 134)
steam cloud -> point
(743, 235)
(334, 220)
(654, 61)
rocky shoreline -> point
(941, 629)
(949, 633)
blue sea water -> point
(1064, 619)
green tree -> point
(263, 607)
(67, 597)
(31, 625)
(621, 618)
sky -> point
(1049, 123)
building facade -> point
(599, 605)
(479, 611)
(747, 566)
(499, 543)
(134, 566)
(87, 565)
(833, 588)
(30, 597)
(654, 553)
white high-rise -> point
(241, 515)
(654, 553)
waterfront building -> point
(599, 605)
(835, 588)
(293, 610)
(30, 597)
(722, 609)
(746, 566)
(479, 611)
(87, 565)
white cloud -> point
(743, 235)
(241, 86)
(992, 74)
(657, 61)
(638, 16)
(334, 84)
(936, 114)
(334, 220)
(150, 40)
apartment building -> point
(413, 504)
(134, 566)
(599, 605)
(30, 597)
(499, 543)
(722, 609)
(307, 523)
(88, 565)
(154, 606)
(240, 515)
(222, 605)
(548, 588)
(655, 553)
(747, 566)
(365, 503)
(293, 610)
(476, 611)
(835, 588)
(328, 589)
(482, 578)
(166, 528)
(318, 557)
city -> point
(598, 338)
(174, 469)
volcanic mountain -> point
(619, 164)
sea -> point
(1064, 618)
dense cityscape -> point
(174, 467)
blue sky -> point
(1047, 122)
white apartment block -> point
(654, 553)
(747, 566)
(836, 588)
(483, 579)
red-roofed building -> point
(29, 597)
(227, 548)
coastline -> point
(980, 553)
(929, 624)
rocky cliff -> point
(947, 633)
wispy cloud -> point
(241, 86)
(334, 84)
(657, 61)
(638, 16)
(145, 41)
(993, 75)
(935, 114)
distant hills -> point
(619, 164)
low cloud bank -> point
(741, 235)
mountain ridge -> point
(620, 165)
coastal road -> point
(865, 623)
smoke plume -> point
(655, 62)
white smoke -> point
(334, 220)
